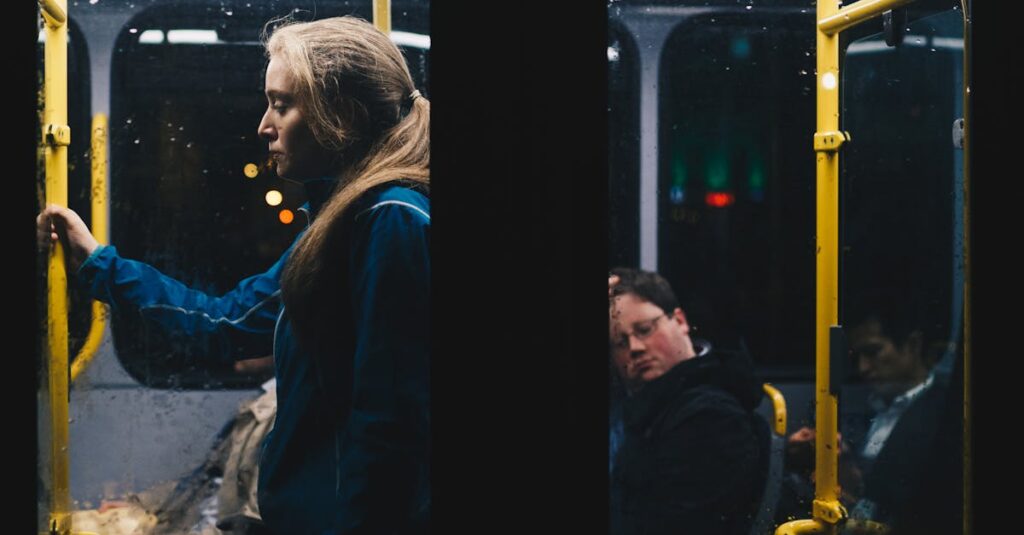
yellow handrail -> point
(57, 137)
(102, 234)
(826, 508)
(55, 13)
(801, 527)
(856, 13)
(382, 15)
(779, 409)
(828, 512)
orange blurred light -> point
(719, 199)
(286, 216)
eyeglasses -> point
(642, 330)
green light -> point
(756, 175)
(718, 171)
(740, 47)
(678, 169)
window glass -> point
(186, 100)
(736, 181)
(902, 274)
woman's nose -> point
(265, 130)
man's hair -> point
(647, 286)
(899, 317)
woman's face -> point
(299, 157)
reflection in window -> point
(735, 188)
(186, 102)
(902, 277)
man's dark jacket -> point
(694, 457)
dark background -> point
(519, 172)
(995, 281)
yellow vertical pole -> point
(57, 137)
(828, 139)
(826, 484)
(382, 15)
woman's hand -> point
(57, 222)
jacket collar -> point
(318, 191)
(731, 371)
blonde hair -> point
(356, 93)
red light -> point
(719, 199)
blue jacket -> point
(349, 449)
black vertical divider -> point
(519, 179)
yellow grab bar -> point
(801, 527)
(827, 510)
(856, 13)
(382, 15)
(779, 409)
(56, 137)
(55, 12)
(102, 234)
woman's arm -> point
(236, 325)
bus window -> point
(623, 150)
(902, 275)
(185, 101)
(192, 192)
(735, 183)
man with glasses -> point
(689, 453)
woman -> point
(345, 308)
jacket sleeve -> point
(384, 455)
(236, 325)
